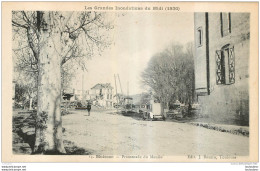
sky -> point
(137, 37)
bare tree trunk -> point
(48, 123)
(30, 104)
(162, 106)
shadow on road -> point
(133, 115)
(24, 137)
(72, 149)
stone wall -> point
(228, 103)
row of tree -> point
(170, 74)
(45, 45)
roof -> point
(101, 86)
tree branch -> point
(19, 25)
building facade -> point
(222, 66)
(101, 94)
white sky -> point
(137, 37)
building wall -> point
(200, 59)
(106, 101)
(108, 97)
(228, 103)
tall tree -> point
(170, 74)
(53, 39)
(26, 88)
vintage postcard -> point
(129, 82)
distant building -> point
(222, 65)
(102, 94)
(78, 95)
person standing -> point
(89, 108)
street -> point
(108, 133)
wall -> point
(108, 101)
(229, 103)
(200, 57)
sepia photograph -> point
(132, 82)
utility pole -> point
(83, 88)
(116, 89)
(120, 84)
(127, 92)
(127, 88)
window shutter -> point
(219, 76)
(231, 63)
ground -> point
(108, 133)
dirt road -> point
(115, 134)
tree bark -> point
(30, 104)
(48, 122)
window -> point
(199, 37)
(225, 68)
(225, 20)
